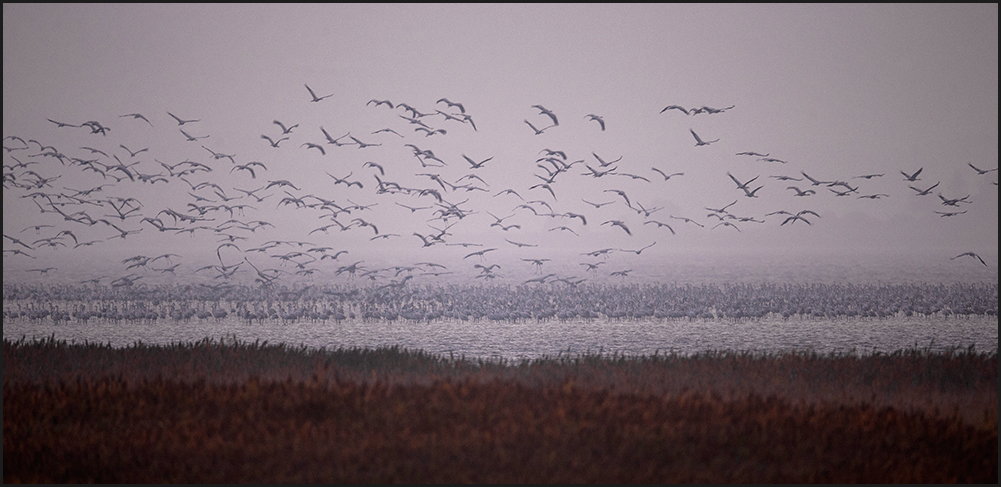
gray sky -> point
(836, 91)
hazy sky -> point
(837, 92)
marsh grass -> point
(230, 411)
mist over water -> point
(530, 338)
(339, 147)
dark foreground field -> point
(232, 412)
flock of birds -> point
(496, 302)
(88, 195)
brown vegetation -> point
(215, 412)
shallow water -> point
(531, 339)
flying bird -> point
(316, 98)
(474, 164)
(380, 102)
(698, 140)
(925, 192)
(310, 145)
(981, 171)
(667, 176)
(192, 138)
(285, 130)
(180, 121)
(544, 111)
(620, 224)
(537, 131)
(596, 118)
(971, 254)
(675, 107)
(137, 116)
(451, 104)
(274, 143)
(912, 177)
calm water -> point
(489, 339)
(528, 339)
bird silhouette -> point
(181, 121)
(596, 118)
(698, 140)
(316, 98)
(285, 130)
(971, 254)
(912, 177)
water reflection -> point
(531, 339)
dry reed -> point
(217, 411)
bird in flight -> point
(545, 111)
(62, 124)
(537, 131)
(981, 171)
(970, 254)
(667, 176)
(474, 164)
(740, 185)
(799, 192)
(274, 143)
(249, 167)
(596, 118)
(698, 140)
(479, 253)
(137, 116)
(310, 145)
(912, 177)
(181, 121)
(285, 130)
(925, 192)
(316, 98)
(192, 138)
(451, 104)
(620, 224)
(380, 102)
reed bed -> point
(227, 411)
